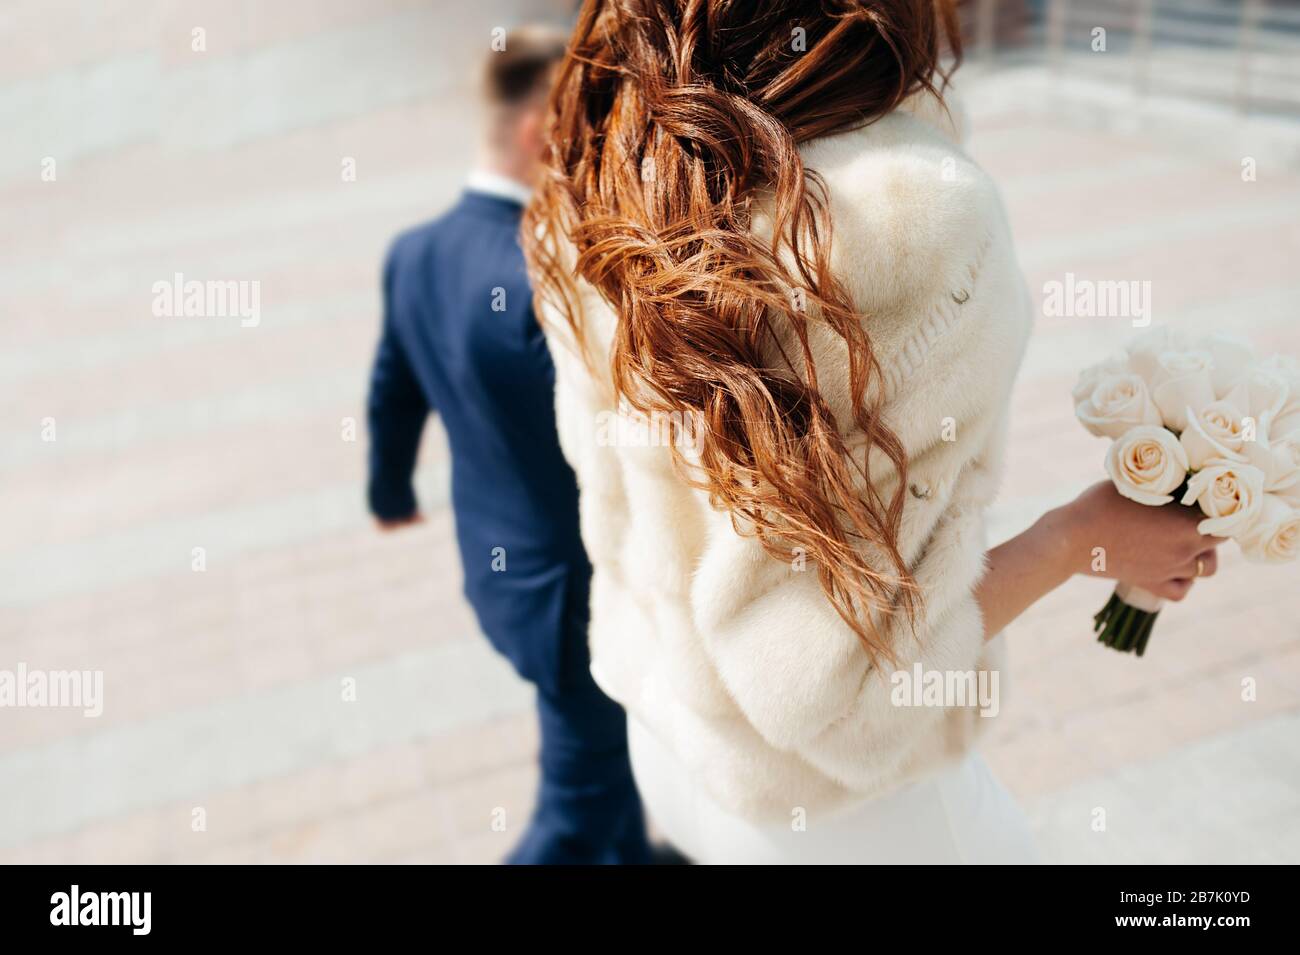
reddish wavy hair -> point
(668, 119)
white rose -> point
(1117, 403)
(1091, 376)
(1274, 537)
(1290, 495)
(1267, 393)
(1277, 457)
(1231, 359)
(1215, 431)
(1287, 419)
(1285, 365)
(1145, 349)
(1230, 496)
(1182, 380)
(1146, 464)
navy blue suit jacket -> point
(459, 337)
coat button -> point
(961, 296)
(921, 491)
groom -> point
(459, 336)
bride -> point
(759, 217)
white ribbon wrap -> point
(1137, 597)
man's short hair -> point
(522, 69)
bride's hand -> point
(1156, 548)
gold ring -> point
(1200, 566)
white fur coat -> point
(736, 660)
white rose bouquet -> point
(1206, 424)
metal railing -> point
(1245, 53)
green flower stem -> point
(1124, 635)
(1147, 626)
(1123, 628)
(1103, 616)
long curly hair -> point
(668, 120)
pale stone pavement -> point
(223, 689)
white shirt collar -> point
(495, 184)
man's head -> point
(516, 80)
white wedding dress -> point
(958, 814)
